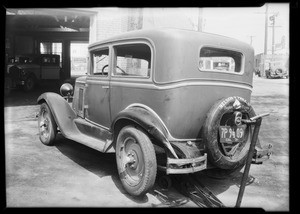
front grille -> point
(80, 103)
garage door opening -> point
(79, 53)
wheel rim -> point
(233, 151)
(44, 125)
(131, 161)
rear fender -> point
(145, 118)
(61, 110)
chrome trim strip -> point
(96, 124)
(81, 82)
(184, 83)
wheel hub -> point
(230, 149)
(132, 160)
(44, 124)
(132, 163)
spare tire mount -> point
(227, 112)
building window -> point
(132, 60)
(79, 53)
(52, 48)
(220, 60)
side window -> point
(53, 60)
(215, 59)
(100, 60)
(132, 60)
(46, 60)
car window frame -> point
(242, 70)
(132, 42)
(91, 60)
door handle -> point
(105, 86)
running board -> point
(80, 131)
(88, 141)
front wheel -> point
(136, 161)
(29, 83)
(47, 125)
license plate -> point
(230, 134)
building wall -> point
(167, 18)
(112, 21)
(107, 23)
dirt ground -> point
(72, 175)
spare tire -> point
(234, 154)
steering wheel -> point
(105, 66)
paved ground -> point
(69, 174)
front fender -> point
(61, 110)
(148, 121)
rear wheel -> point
(136, 161)
(47, 125)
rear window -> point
(220, 60)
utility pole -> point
(200, 19)
(251, 39)
(266, 31)
(266, 38)
(272, 18)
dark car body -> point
(28, 70)
(174, 86)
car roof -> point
(163, 35)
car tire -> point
(47, 125)
(136, 161)
(29, 83)
(215, 152)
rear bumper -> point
(185, 166)
(19, 82)
(192, 165)
(13, 83)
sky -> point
(244, 23)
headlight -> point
(23, 72)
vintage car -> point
(29, 70)
(278, 73)
(161, 99)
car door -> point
(97, 89)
